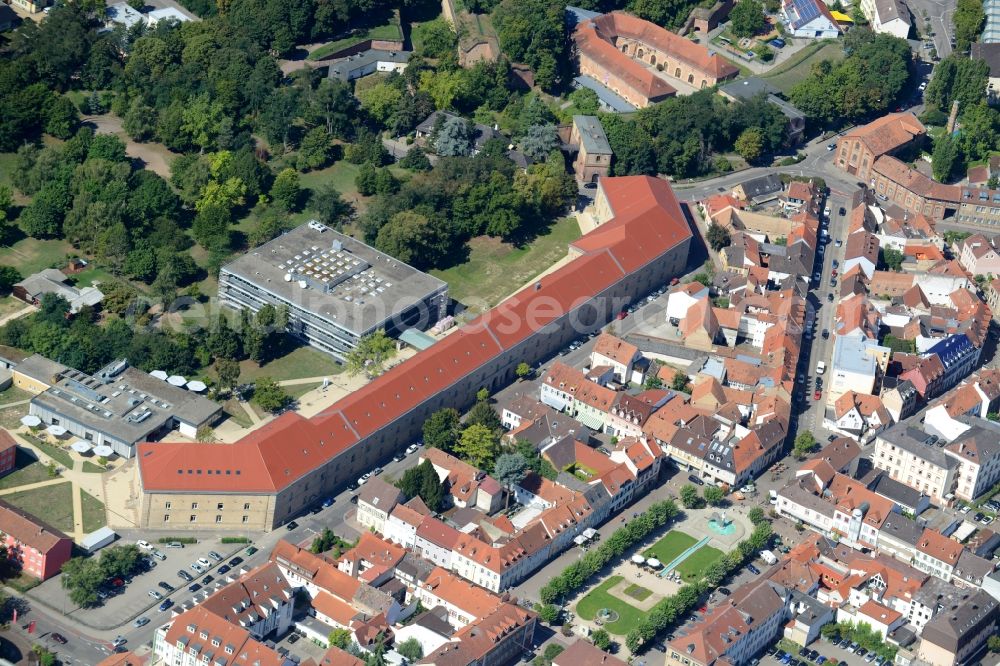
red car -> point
(117, 582)
(833, 272)
(817, 395)
(622, 314)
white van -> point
(768, 557)
(820, 367)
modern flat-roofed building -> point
(337, 289)
(121, 406)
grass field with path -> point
(10, 305)
(670, 546)
(50, 504)
(300, 363)
(496, 269)
(785, 76)
(598, 598)
(27, 470)
(58, 454)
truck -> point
(768, 557)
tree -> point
(689, 497)
(714, 495)
(893, 259)
(340, 638)
(968, 19)
(371, 354)
(411, 649)
(329, 206)
(83, 578)
(747, 18)
(324, 541)
(422, 481)
(269, 396)
(286, 190)
(680, 383)
(756, 515)
(717, 237)
(523, 370)
(750, 143)
(229, 372)
(441, 429)
(478, 446)
(601, 639)
(805, 443)
(539, 141)
(316, 149)
(993, 643)
(367, 180)
(946, 159)
(409, 237)
(61, 117)
(547, 613)
(508, 470)
(8, 278)
(484, 414)
(45, 656)
(453, 137)
(120, 561)
(415, 160)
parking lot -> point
(132, 598)
(828, 655)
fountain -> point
(721, 524)
(605, 616)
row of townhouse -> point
(491, 551)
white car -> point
(826, 211)
(156, 595)
(204, 563)
(145, 545)
(922, 86)
(820, 367)
(411, 449)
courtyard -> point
(622, 597)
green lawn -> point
(388, 30)
(300, 363)
(92, 468)
(27, 470)
(56, 453)
(496, 269)
(86, 278)
(628, 616)
(785, 76)
(51, 504)
(232, 409)
(694, 566)
(13, 394)
(11, 418)
(94, 516)
(9, 305)
(670, 546)
(30, 255)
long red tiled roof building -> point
(281, 468)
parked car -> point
(693, 478)
(156, 595)
(838, 242)
(291, 526)
(842, 211)
(185, 575)
(167, 603)
(175, 544)
(119, 641)
(399, 457)
(251, 550)
(223, 569)
(411, 449)
(197, 567)
(377, 471)
(754, 570)
(777, 43)
(140, 622)
(215, 556)
(817, 394)
(58, 638)
(207, 580)
(159, 555)
(194, 587)
(144, 545)
(235, 562)
(164, 585)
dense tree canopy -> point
(867, 82)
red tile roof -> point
(277, 454)
(6, 441)
(27, 529)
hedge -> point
(575, 575)
(234, 540)
(177, 539)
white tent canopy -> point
(103, 450)
(653, 562)
(579, 540)
(31, 421)
(590, 533)
(638, 559)
(80, 446)
(196, 386)
(176, 380)
(159, 374)
(56, 430)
